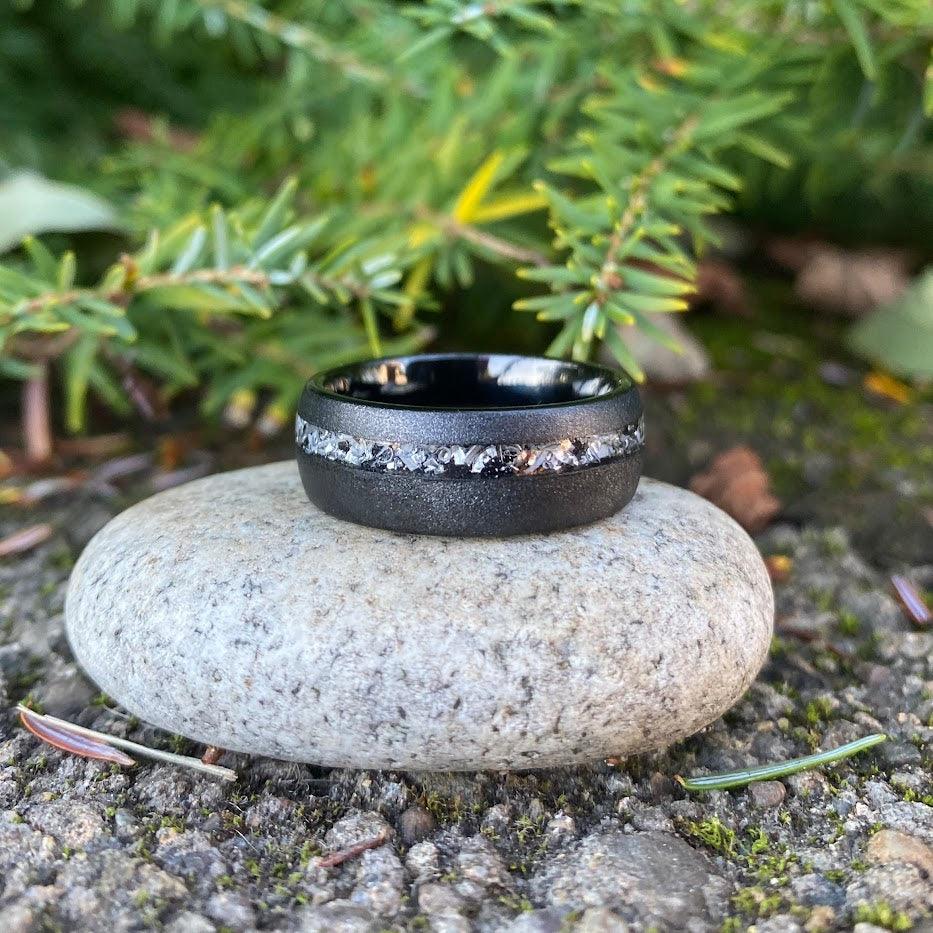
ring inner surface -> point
(481, 381)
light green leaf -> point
(277, 213)
(221, 238)
(108, 389)
(31, 204)
(650, 283)
(900, 337)
(851, 18)
(43, 261)
(77, 368)
(565, 339)
(190, 255)
(649, 303)
(621, 352)
(164, 362)
(568, 301)
(65, 274)
(287, 243)
(16, 369)
(197, 297)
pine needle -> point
(143, 751)
(779, 769)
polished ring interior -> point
(459, 381)
(375, 439)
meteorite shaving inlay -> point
(466, 459)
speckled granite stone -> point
(231, 611)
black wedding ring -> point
(470, 444)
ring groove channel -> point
(458, 460)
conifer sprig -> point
(432, 139)
(162, 308)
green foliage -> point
(30, 204)
(900, 336)
(714, 833)
(881, 914)
(196, 302)
(429, 146)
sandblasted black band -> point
(470, 444)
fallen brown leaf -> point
(737, 482)
(719, 284)
(850, 282)
(62, 736)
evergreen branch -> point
(669, 182)
(252, 264)
(298, 36)
(487, 241)
(133, 286)
(216, 15)
(638, 204)
(444, 18)
(635, 150)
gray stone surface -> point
(231, 611)
(655, 877)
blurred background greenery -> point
(203, 201)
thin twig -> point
(457, 230)
(144, 283)
(779, 769)
(25, 539)
(144, 751)
(299, 36)
(493, 243)
(37, 431)
(344, 855)
(910, 599)
(638, 201)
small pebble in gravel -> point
(231, 910)
(660, 785)
(497, 818)
(423, 861)
(338, 916)
(357, 828)
(189, 922)
(821, 918)
(561, 826)
(765, 794)
(601, 920)
(889, 845)
(415, 824)
(434, 898)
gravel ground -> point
(84, 845)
